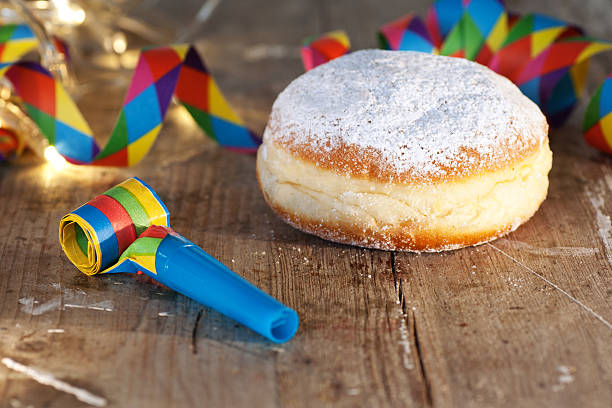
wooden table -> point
(523, 321)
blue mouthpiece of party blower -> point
(186, 268)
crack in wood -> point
(393, 270)
(427, 390)
(419, 353)
(194, 332)
(397, 282)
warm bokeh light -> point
(54, 158)
(5, 93)
(119, 43)
(69, 13)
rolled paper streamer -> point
(96, 234)
(160, 73)
(406, 33)
(319, 50)
(126, 229)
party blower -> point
(127, 229)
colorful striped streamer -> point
(529, 37)
(319, 50)
(478, 32)
(161, 73)
(16, 40)
(597, 125)
(110, 227)
(406, 33)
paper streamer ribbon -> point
(161, 73)
(127, 229)
(16, 40)
(318, 50)
(597, 125)
(407, 32)
(545, 57)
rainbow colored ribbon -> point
(545, 57)
(161, 72)
(597, 124)
(317, 50)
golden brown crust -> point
(395, 239)
(353, 161)
(413, 234)
(407, 236)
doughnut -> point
(404, 151)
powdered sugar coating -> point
(418, 115)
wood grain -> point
(472, 328)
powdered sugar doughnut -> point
(403, 150)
